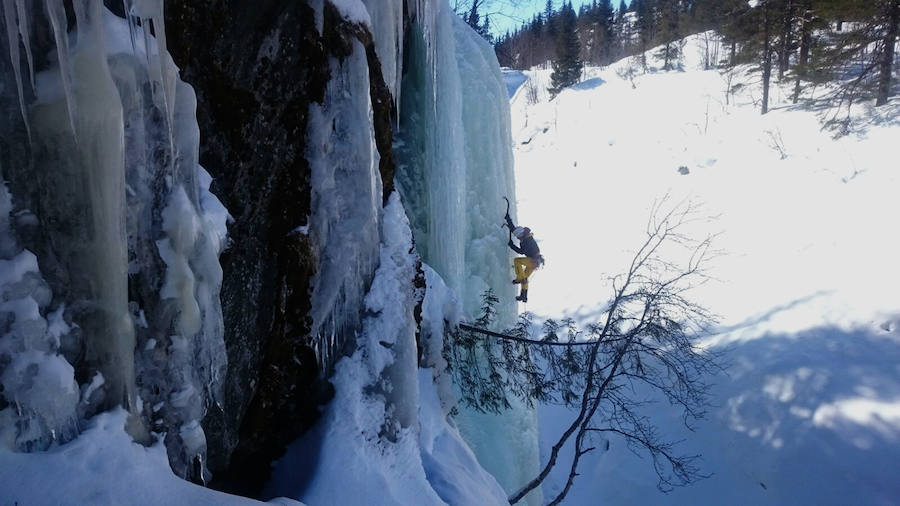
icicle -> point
(167, 77)
(387, 30)
(81, 21)
(165, 72)
(167, 81)
(12, 35)
(427, 16)
(131, 28)
(26, 39)
(57, 16)
(151, 13)
(145, 30)
(163, 82)
(398, 78)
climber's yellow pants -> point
(524, 267)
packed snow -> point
(103, 466)
(809, 410)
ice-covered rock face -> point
(102, 148)
(296, 122)
(102, 160)
(100, 142)
(40, 396)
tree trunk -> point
(887, 57)
(805, 42)
(767, 57)
(784, 57)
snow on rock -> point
(133, 474)
(353, 10)
(366, 441)
(181, 224)
(346, 201)
(450, 466)
(441, 309)
(38, 383)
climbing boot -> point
(523, 297)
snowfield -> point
(806, 288)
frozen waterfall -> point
(452, 145)
(455, 165)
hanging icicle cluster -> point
(124, 227)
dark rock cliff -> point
(256, 67)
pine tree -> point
(669, 33)
(623, 32)
(856, 50)
(767, 21)
(485, 30)
(646, 25)
(550, 20)
(605, 19)
(890, 28)
(786, 39)
(567, 65)
(805, 40)
(473, 19)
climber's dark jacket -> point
(528, 247)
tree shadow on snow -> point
(807, 417)
(819, 410)
(767, 315)
(589, 84)
(833, 117)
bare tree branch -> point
(647, 337)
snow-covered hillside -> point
(809, 410)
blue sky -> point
(509, 14)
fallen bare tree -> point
(648, 334)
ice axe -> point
(507, 220)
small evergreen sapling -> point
(648, 335)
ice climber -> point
(524, 265)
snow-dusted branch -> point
(647, 335)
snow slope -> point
(103, 466)
(809, 411)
